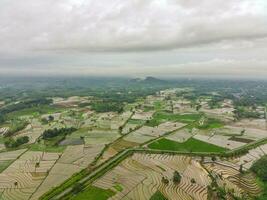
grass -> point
(158, 105)
(34, 111)
(2, 139)
(4, 164)
(94, 193)
(191, 145)
(211, 124)
(118, 187)
(158, 196)
(160, 117)
(136, 121)
(43, 147)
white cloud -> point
(132, 25)
(133, 36)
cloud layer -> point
(40, 34)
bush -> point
(11, 143)
(260, 168)
(50, 133)
(176, 177)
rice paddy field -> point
(24, 175)
(140, 177)
(190, 145)
(150, 176)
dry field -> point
(147, 133)
(219, 140)
(116, 147)
(250, 133)
(11, 155)
(95, 136)
(142, 115)
(74, 159)
(252, 123)
(70, 102)
(24, 175)
(180, 135)
(140, 176)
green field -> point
(94, 193)
(191, 145)
(136, 121)
(160, 117)
(158, 196)
(4, 164)
(211, 124)
(34, 111)
(42, 147)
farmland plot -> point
(243, 132)
(253, 155)
(143, 115)
(141, 176)
(22, 177)
(220, 140)
(147, 133)
(180, 135)
(11, 155)
(231, 178)
(252, 123)
(74, 159)
(96, 136)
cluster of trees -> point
(260, 168)
(24, 104)
(241, 112)
(2, 119)
(12, 143)
(105, 106)
(16, 125)
(47, 120)
(215, 102)
(50, 133)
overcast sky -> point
(133, 37)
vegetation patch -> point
(118, 187)
(160, 117)
(210, 123)
(94, 193)
(191, 145)
(11, 143)
(107, 106)
(4, 164)
(42, 147)
(158, 196)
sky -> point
(164, 38)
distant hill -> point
(149, 80)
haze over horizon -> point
(165, 38)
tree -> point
(164, 180)
(193, 181)
(50, 118)
(176, 177)
(16, 184)
(213, 158)
(77, 188)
